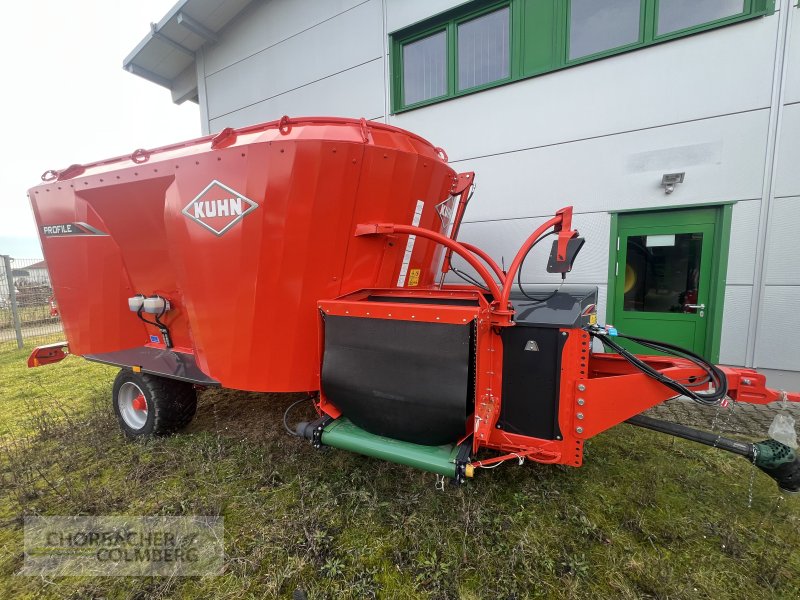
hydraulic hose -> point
(715, 374)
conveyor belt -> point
(400, 379)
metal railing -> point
(28, 310)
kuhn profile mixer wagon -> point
(309, 254)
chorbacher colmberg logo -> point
(218, 208)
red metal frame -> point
(484, 256)
(560, 223)
(597, 391)
(461, 186)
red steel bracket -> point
(45, 355)
(565, 232)
(747, 385)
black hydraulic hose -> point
(158, 324)
(289, 430)
(658, 376)
(680, 351)
(139, 314)
(718, 377)
(465, 277)
(519, 273)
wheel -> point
(151, 405)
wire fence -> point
(28, 311)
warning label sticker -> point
(401, 279)
(413, 277)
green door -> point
(663, 277)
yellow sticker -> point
(413, 277)
(593, 319)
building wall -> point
(777, 345)
(297, 58)
(598, 136)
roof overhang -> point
(166, 55)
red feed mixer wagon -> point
(308, 255)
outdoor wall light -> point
(670, 180)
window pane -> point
(483, 49)
(425, 68)
(662, 272)
(602, 25)
(680, 14)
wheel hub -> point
(132, 405)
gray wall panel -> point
(787, 176)
(735, 317)
(777, 345)
(502, 239)
(266, 23)
(782, 380)
(579, 103)
(723, 159)
(743, 241)
(351, 39)
(792, 92)
(783, 258)
(325, 97)
(401, 13)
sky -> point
(65, 98)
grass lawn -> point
(647, 516)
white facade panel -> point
(735, 318)
(663, 84)
(782, 258)
(402, 13)
(792, 89)
(324, 97)
(723, 159)
(779, 329)
(265, 24)
(502, 239)
(743, 242)
(787, 175)
(351, 39)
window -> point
(425, 68)
(487, 43)
(483, 49)
(598, 26)
(674, 15)
(662, 272)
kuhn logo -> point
(218, 207)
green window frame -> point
(538, 40)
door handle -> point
(700, 308)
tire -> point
(148, 405)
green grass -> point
(647, 516)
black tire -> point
(170, 404)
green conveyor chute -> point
(342, 433)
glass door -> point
(663, 280)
